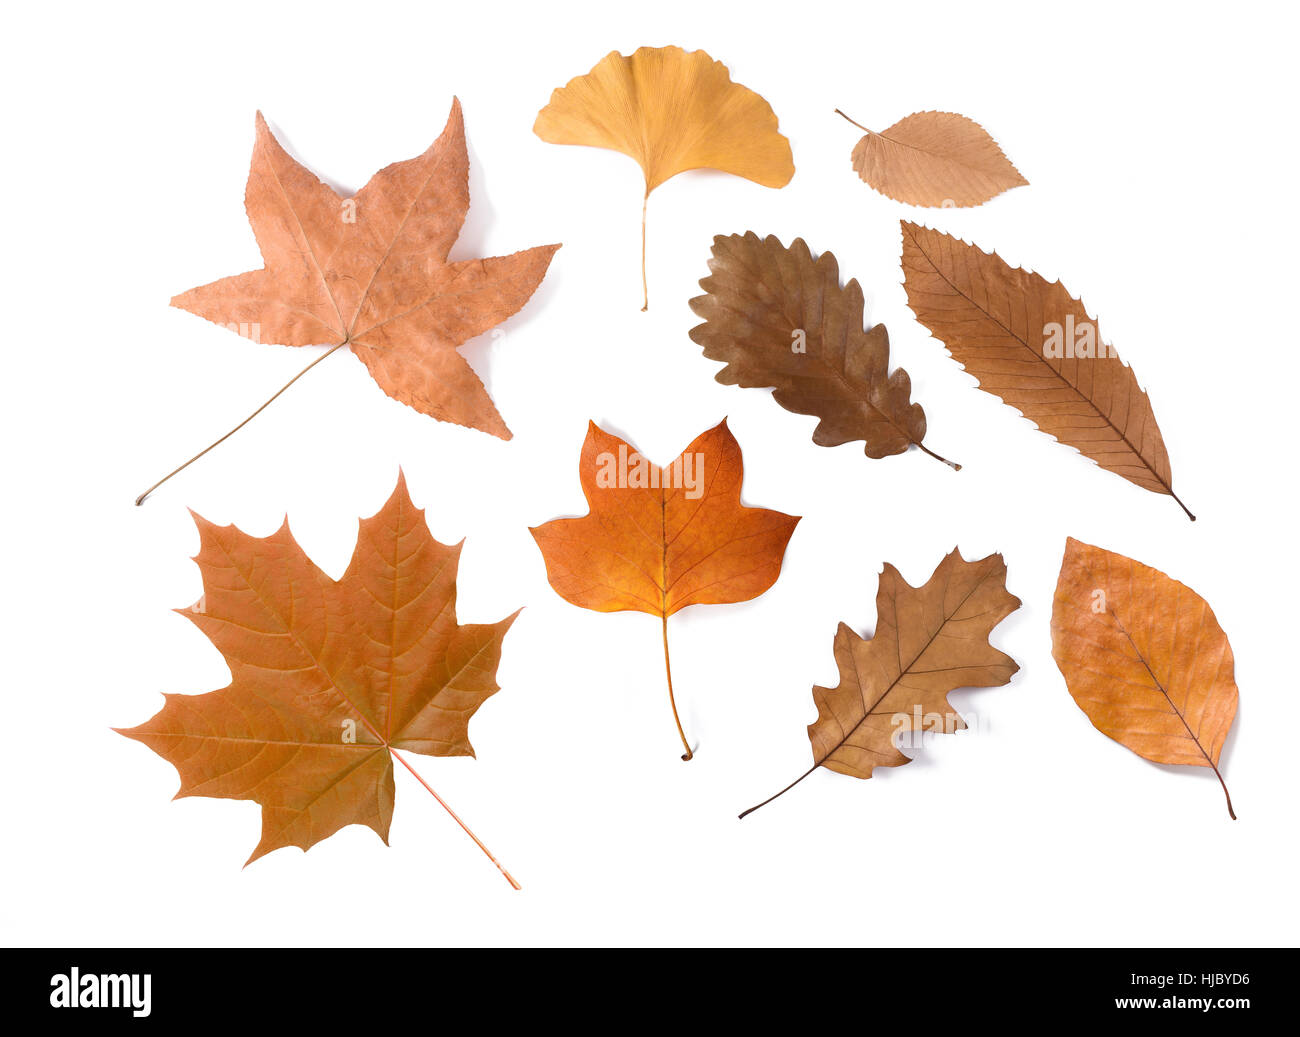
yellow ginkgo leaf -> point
(671, 110)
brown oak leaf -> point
(777, 317)
(659, 539)
(1144, 657)
(929, 640)
(328, 679)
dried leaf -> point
(929, 640)
(937, 159)
(371, 271)
(659, 539)
(328, 680)
(1144, 657)
(1031, 344)
(777, 317)
(671, 110)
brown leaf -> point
(1031, 344)
(937, 159)
(1144, 658)
(929, 640)
(328, 680)
(777, 317)
(371, 271)
(671, 110)
(659, 539)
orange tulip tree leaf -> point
(328, 679)
(929, 640)
(671, 111)
(371, 272)
(937, 159)
(659, 539)
(1144, 658)
(1031, 344)
(777, 317)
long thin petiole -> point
(668, 669)
(509, 878)
(782, 792)
(645, 286)
(176, 471)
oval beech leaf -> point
(1031, 344)
(937, 159)
(1144, 658)
(776, 317)
(659, 539)
(929, 640)
(671, 110)
(328, 679)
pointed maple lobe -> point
(326, 678)
(372, 271)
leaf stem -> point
(509, 878)
(855, 123)
(1193, 518)
(176, 471)
(668, 669)
(645, 287)
(951, 464)
(1231, 813)
(782, 792)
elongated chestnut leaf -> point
(1033, 345)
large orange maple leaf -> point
(328, 679)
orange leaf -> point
(1144, 658)
(328, 679)
(659, 539)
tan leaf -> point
(777, 317)
(1144, 658)
(1031, 344)
(937, 159)
(671, 110)
(929, 640)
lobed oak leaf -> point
(1030, 343)
(929, 641)
(328, 679)
(1144, 657)
(657, 540)
(671, 111)
(938, 159)
(777, 317)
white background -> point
(1158, 144)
